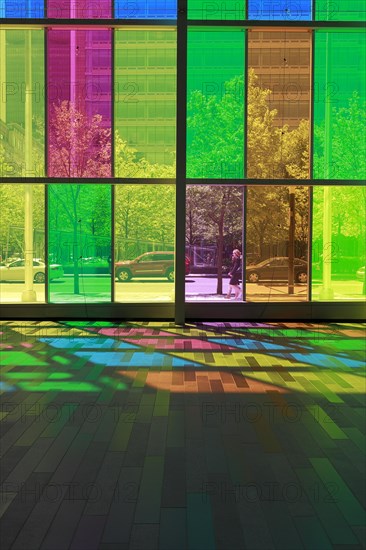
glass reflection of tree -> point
(272, 153)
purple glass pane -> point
(79, 9)
(79, 103)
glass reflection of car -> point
(150, 264)
(360, 274)
(15, 271)
(276, 269)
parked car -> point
(15, 271)
(360, 273)
(276, 269)
(150, 264)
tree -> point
(12, 215)
(79, 146)
(128, 165)
(347, 142)
(216, 141)
(86, 210)
(213, 212)
(144, 214)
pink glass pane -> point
(79, 103)
(79, 9)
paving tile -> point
(213, 435)
(172, 533)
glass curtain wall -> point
(275, 151)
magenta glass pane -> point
(79, 103)
(79, 9)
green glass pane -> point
(145, 96)
(22, 275)
(215, 108)
(22, 103)
(339, 243)
(79, 222)
(340, 105)
(208, 10)
(340, 10)
(144, 243)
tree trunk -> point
(76, 259)
(220, 247)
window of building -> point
(136, 154)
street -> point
(97, 288)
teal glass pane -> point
(340, 105)
(79, 224)
(145, 102)
(339, 243)
(22, 238)
(22, 103)
(208, 10)
(215, 103)
(340, 10)
(144, 243)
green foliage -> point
(12, 215)
(128, 165)
(216, 136)
(83, 211)
(145, 215)
(347, 141)
(216, 130)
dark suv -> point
(151, 264)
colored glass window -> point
(340, 10)
(81, 9)
(339, 105)
(277, 227)
(206, 10)
(145, 9)
(22, 228)
(79, 239)
(278, 136)
(22, 105)
(145, 103)
(215, 109)
(22, 8)
(339, 243)
(280, 10)
(79, 103)
(214, 228)
(144, 243)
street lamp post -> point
(28, 295)
(326, 291)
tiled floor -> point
(213, 436)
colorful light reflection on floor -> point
(211, 436)
(87, 356)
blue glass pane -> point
(22, 8)
(145, 9)
(288, 10)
